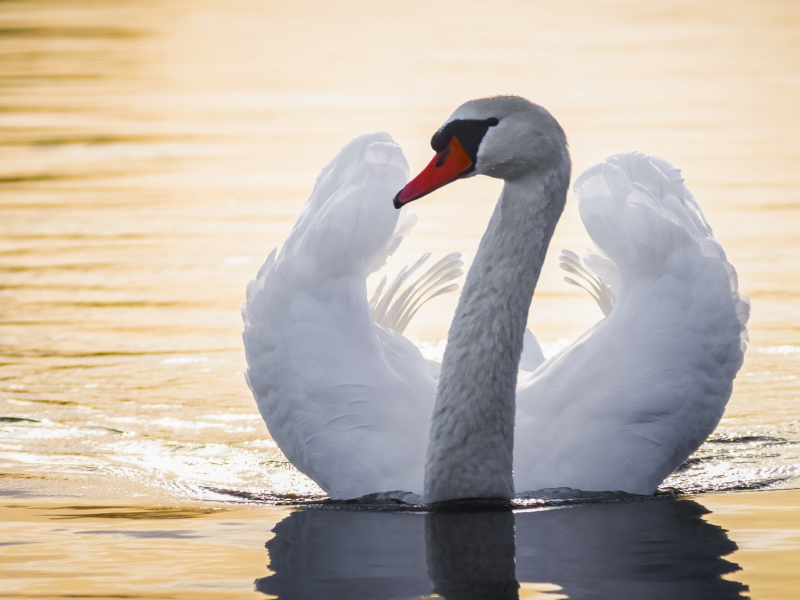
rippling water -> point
(657, 548)
(153, 153)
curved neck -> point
(471, 436)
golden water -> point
(152, 153)
(657, 549)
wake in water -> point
(724, 463)
(51, 447)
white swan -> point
(349, 400)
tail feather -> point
(589, 279)
(437, 280)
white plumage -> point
(647, 384)
(348, 399)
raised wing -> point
(632, 398)
(347, 400)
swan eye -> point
(469, 132)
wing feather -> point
(632, 398)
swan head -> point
(506, 137)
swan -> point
(354, 405)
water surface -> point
(152, 153)
(721, 546)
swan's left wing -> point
(632, 398)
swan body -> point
(354, 405)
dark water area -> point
(656, 549)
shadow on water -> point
(653, 549)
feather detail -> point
(396, 313)
(645, 386)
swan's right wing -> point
(346, 400)
(630, 400)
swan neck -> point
(471, 437)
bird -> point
(353, 404)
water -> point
(152, 153)
(722, 547)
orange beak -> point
(447, 166)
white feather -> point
(632, 398)
(348, 398)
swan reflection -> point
(653, 549)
